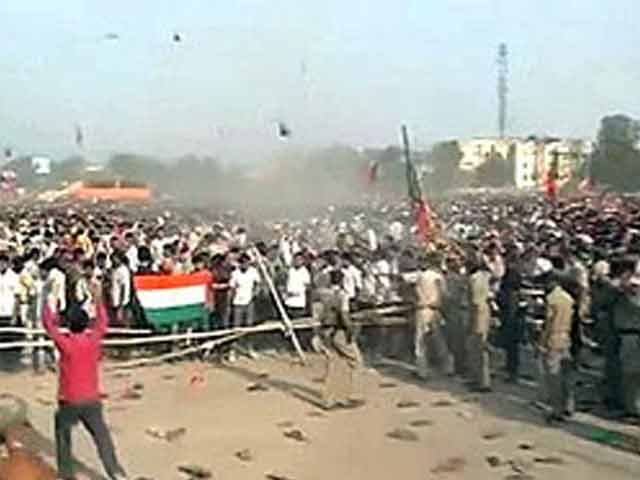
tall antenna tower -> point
(503, 89)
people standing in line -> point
(352, 278)
(54, 287)
(29, 294)
(121, 293)
(626, 319)
(200, 266)
(511, 321)
(244, 282)
(479, 358)
(131, 252)
(606, 293)
(576, 270)
(297, 288)
(555, 346)
(54, 290)
(221, 272)
(494, 263)
(9, 303)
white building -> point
(571, 154)
(477, 150)
(527, 153)
(532, 157)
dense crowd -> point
(496, 270)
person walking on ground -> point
(457, 312)
(337, 343)
(78, 387)
(430, 341)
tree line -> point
(337, 173)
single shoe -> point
(253, 355)
(477, 389)
(329, 405)
(554, 418)
(352, 404)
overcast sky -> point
(333, 70)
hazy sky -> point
(335, 71)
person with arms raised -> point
(79, 398)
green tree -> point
(445, 163)
(70, 169)
(135, 167)
(616, 160)
(495, 172)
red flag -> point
(551, 180)
(372, 173)
(423, 219)
(551, 189)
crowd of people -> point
(496, 271)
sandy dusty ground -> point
(454, 434)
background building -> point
(478, 150)
(532, 156)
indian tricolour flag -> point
(169, 300)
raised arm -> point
(102, 321)
(50, 322)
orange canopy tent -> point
(110, 191)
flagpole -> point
(407, 152)
(418, 202)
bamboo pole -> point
(208, 346)
(42, 331)
(290, 330)
(368, 317)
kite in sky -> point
(283, 131)
(79, 136)
(177, 38)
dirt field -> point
(445, 432)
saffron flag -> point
(169, 300)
